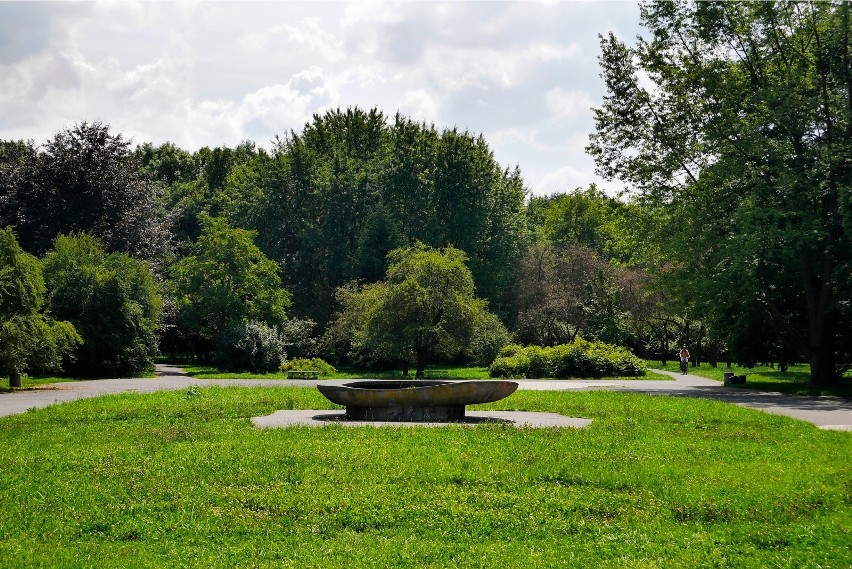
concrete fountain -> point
(414, 403)
(414, 400)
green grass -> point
(764, 378)
(29, 382)
(432, 372)
(457, 372)
(182, 479)
(32, 382)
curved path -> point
(825, 412)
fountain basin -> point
(414, 400)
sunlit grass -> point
(182, 479)
(432, 372)
(30, 382)
(765, 378)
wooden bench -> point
(302, 374)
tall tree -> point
(565, 291)
(29, 340)
(110, 298)
(744, 139)
(331, 201)
(425, 308)
(227, 280)
(86, 179)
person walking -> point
(684, 359)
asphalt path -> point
(825, 412)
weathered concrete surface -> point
(512, 418)
(413, 400)
(416, 393)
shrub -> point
(251, 346)
(312, 364)
(489, 335)
(579, 359)
(111, 299)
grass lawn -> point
(432, 372)
(182, 479)
(764, 378)
(29, 382)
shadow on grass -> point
(797, 386)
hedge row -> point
(309, 364)
(578, 359)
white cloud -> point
(419, 105)
(213, 73)
(568, 105)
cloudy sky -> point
(524, 74)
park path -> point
(824, 412)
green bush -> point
(251, 346)
(312, 364)
(111, 299)
(578, 359)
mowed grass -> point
(182, 479)
(432, 372)
(448, 372)
(32, 382)
(764, 378)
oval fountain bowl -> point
(417, 393)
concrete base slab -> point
(836, 427)
(310, 417)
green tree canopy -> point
(112, 300)
(334, 199)
(426, 307)
(84, 179)
(29, 340)
(566, 291)
(744, 142)
(226, 281)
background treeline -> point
(253, 251)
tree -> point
(425, 308)
(566, 291)
(85, 179)
(331, 201)
(225, 282)
(743, 141)
(111, 299)
(29, 340)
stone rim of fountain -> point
(414, 400)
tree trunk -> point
(821, 358)
(421, 363)
(15, 379)
(821, 332)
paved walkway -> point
(824, 412)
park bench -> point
(302, 374)
(730, 379)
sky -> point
(198, 73)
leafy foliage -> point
(742, 145)
(251, 346)
(578, 359)
(84, 179)
(333, 200)
(425, 308)
(227, 281)
(111, 299)
(29, 340)
(309, 364)
(564, 291)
